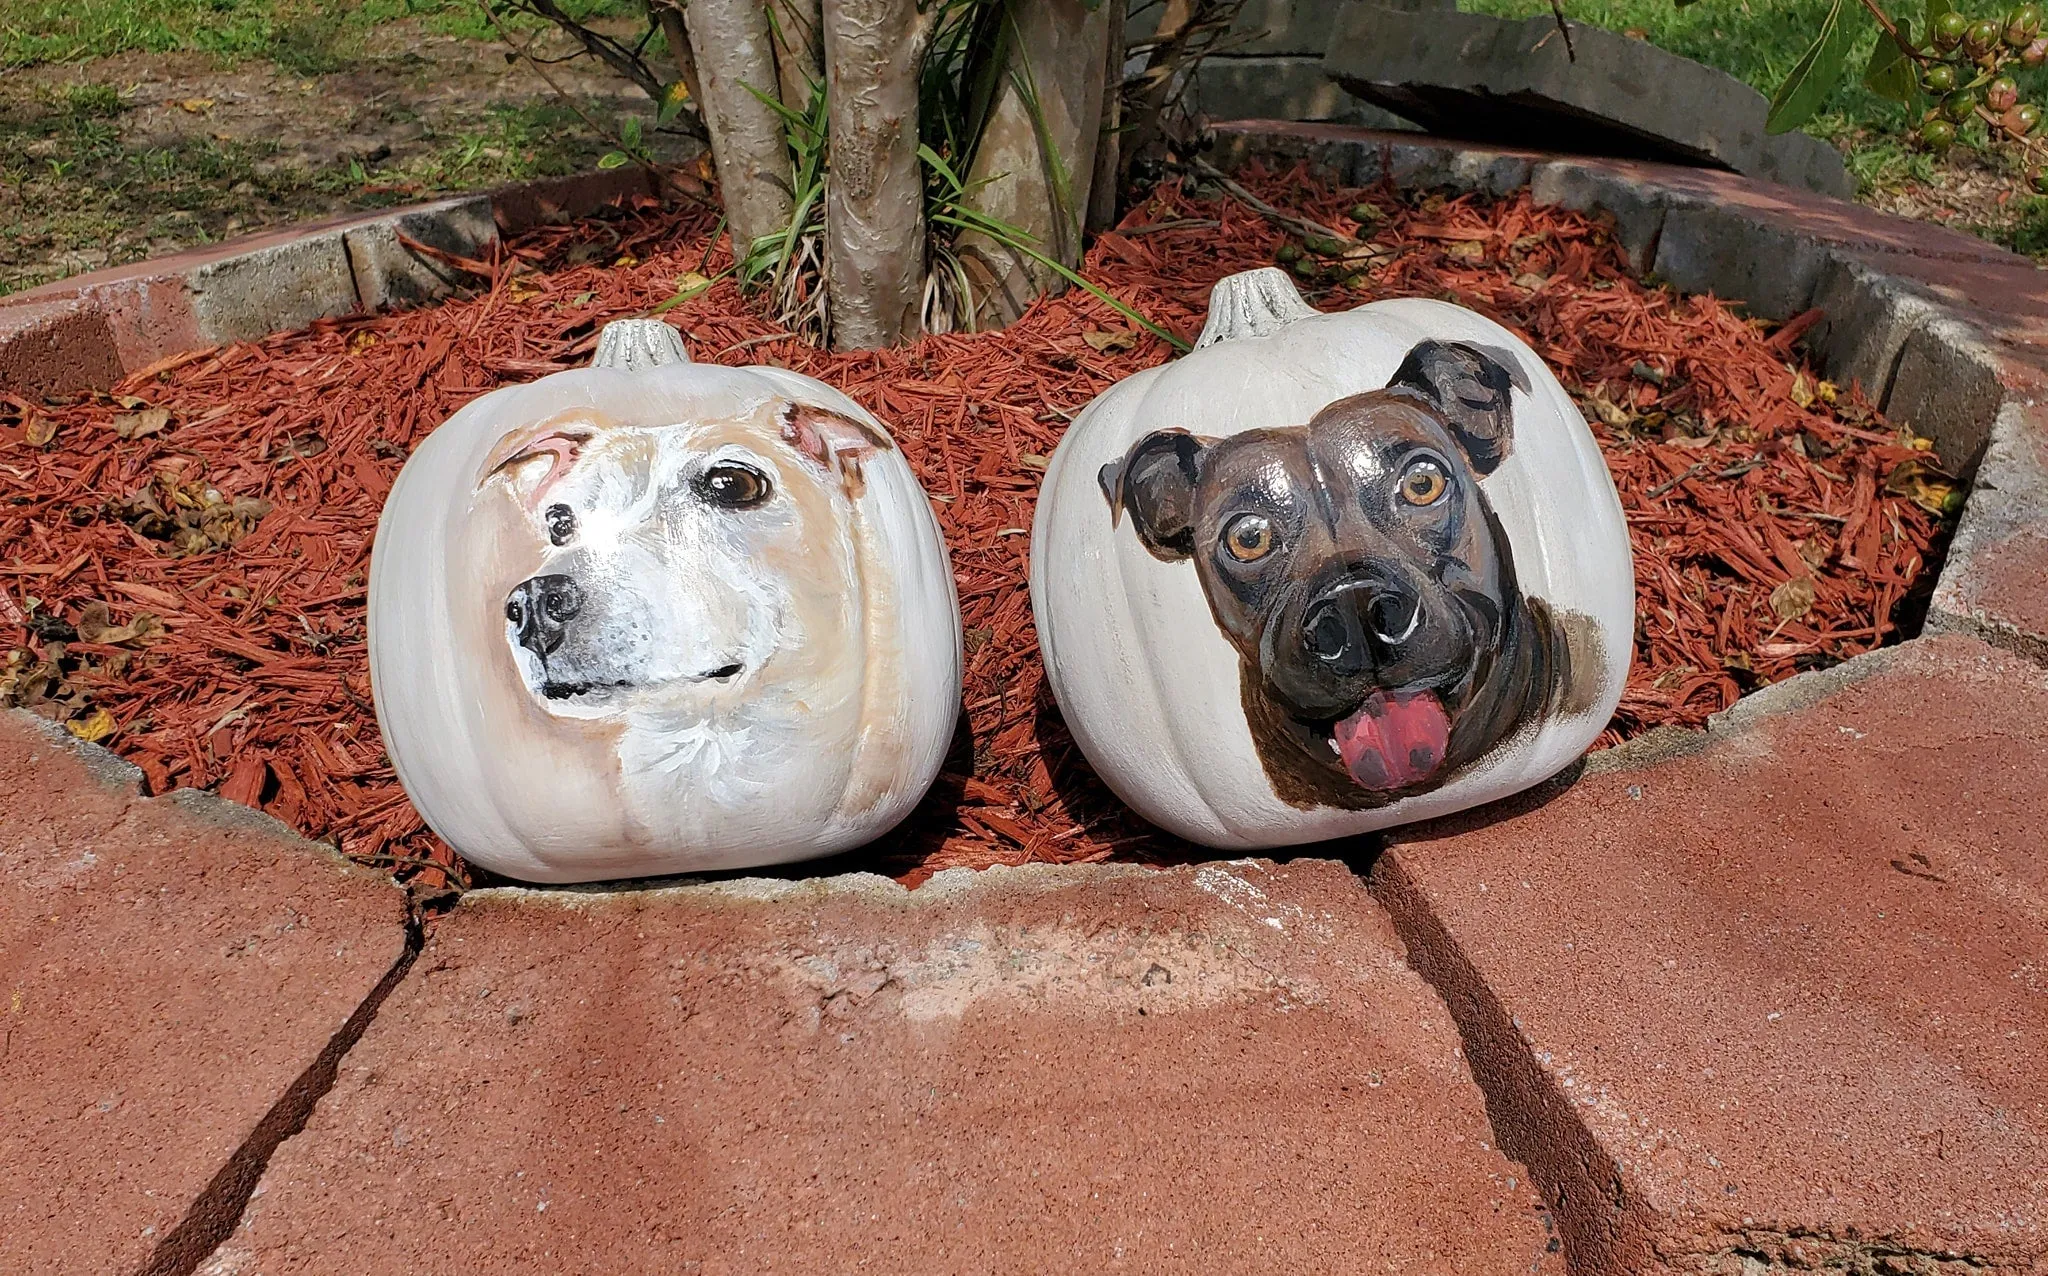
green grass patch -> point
(307, 37)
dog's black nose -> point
(1346, 627)
(540, 611)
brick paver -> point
(1784, 995)
(1217, 1069)
(168, 971)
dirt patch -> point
(111, 161)
(1778, 524)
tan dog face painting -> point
(697, 617)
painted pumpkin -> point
(1328, 573)
(653, 617)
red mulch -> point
(182, 563)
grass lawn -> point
(305, 37)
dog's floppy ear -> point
(1156, 482)
(834, 441)
(1471, 387)
(558, 441)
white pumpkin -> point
(1329, 573)
(655, 617)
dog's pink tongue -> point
(1396, 739)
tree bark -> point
(874, 211)
(678, 42)
(1103, 187)
(799, 49)
(1145, 120)
(1038, 166)
(733, 52)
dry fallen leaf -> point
(1792, 599)
(1111, 341)
(96, 624)
(196, 105)
(135, 425)
(1466, 250)
(40, 431)
(1802, 392)
(1531, 281)
(92, 728)
(1610, 413)
(1925, 486)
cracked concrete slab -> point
(166, 978)
(1217, 1068)
(1775, 1001)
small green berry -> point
(1959, 105)
(1939, 79)
(1981, 37)
(1949, 29)
(2022, 119)
(1287, 253)
(2001, 95)
(1937, 135)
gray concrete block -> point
(1994, 584)
(1867, 316)
(387, 273)
(273, 288)
(1946, 388)
(1298, 26)
(1772, 270)
(1423, 166)
(1638, 209)
(1271, 88)
(1795, 159)
(1513, 83)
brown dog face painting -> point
(1365, 581)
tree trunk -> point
(678, 42)
(874, 212)
(1103, 188)
(799, 49)
(733, 53)
(1146, 117)
(1038, 165)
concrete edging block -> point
(387, 273)
(1771, 269)
(274, 288)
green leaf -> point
(1935, 8)
(672, 98)
(1816, 74)
(614, 159)
(1891, 73)
(629, 133)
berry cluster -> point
(1967, 71)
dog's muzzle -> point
(1358, 625)
(540, 610)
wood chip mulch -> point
(182, 562)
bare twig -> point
(1571, 53)
(1299, 225)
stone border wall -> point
(89, 331)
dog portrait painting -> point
(667, 621)
(1355, 563)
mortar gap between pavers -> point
(213, 1216)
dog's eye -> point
(1248, 538)
(561, 524)
(1424, 483)
(732, 485)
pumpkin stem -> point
(635, 345)
(1252, 303)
